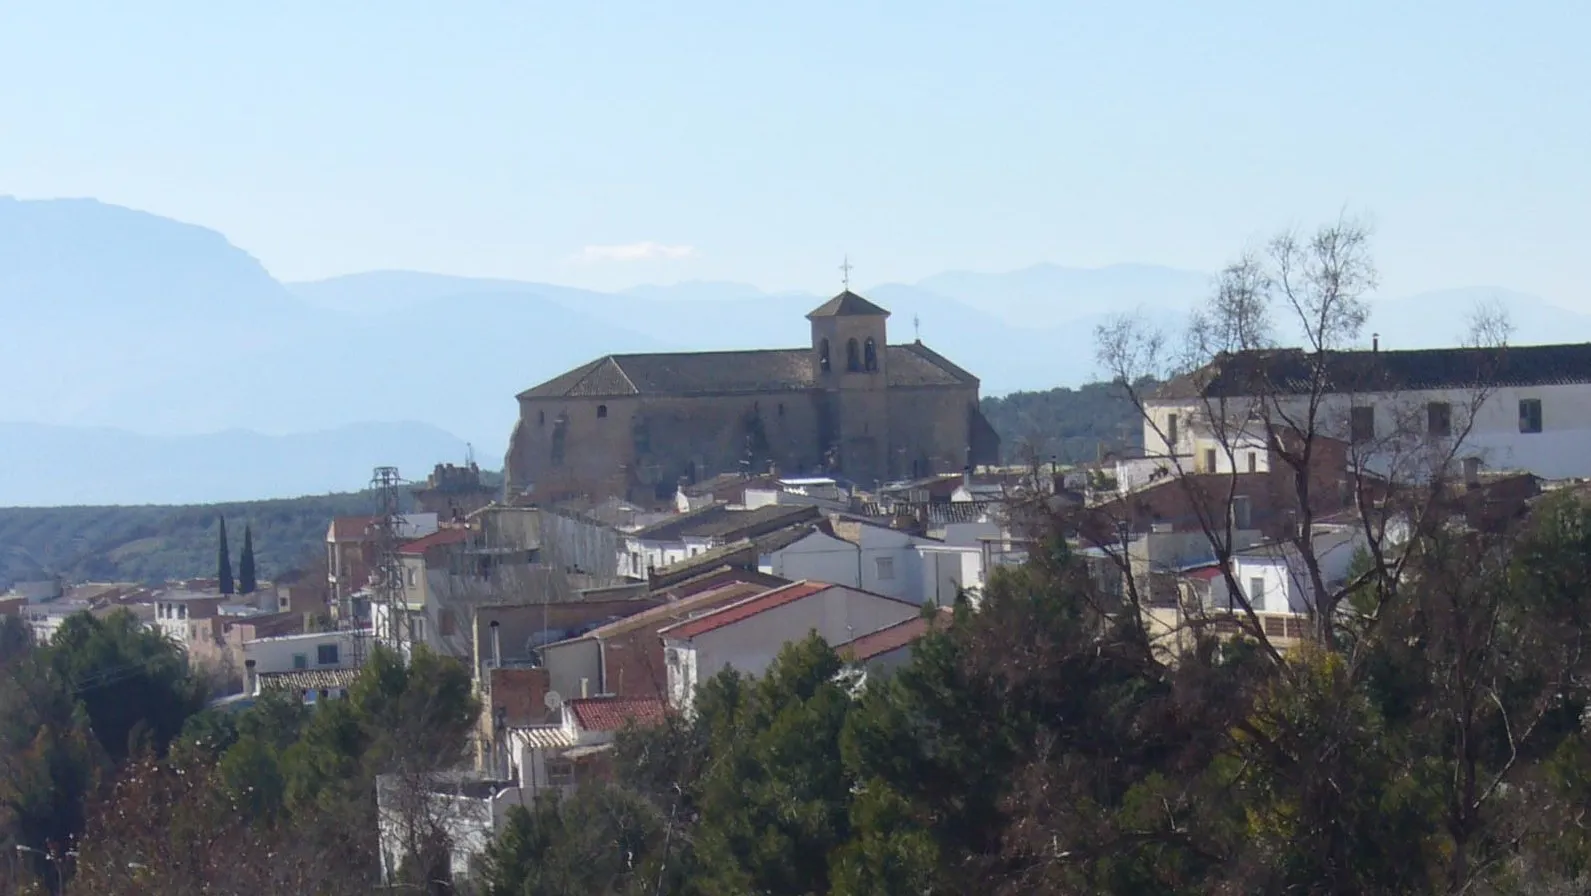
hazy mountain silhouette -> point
(118, 318)
(52, 465)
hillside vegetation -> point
(1070, 425)
(153, 543)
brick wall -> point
(522, 694)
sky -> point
(614, 143)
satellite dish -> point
(553, 700)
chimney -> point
(497, 647)
(1375, 342)
(249, 682)
(585, 688)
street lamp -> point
(60, 880)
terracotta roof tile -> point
(717, 521)
(889, 638)
(745, 609)
(350, 528)
(614, 713)
(440, 537)
(308, 679)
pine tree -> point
(246, 580)
(224, 563)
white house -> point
(310, 650)
(878, 559)
(1273, 575)
(748, 635)
(471, 807)
(690, 534)
(1518, 408)
(45, 619)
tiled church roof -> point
(737, 372)
(847, 304)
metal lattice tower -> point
(396, 628)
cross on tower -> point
(845, 272)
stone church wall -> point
(931, 424)
(642, 447)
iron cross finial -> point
(845, 271)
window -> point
(300, 661)
(447, 623)
(823, 356)
(560, 435)
(411, 572)
(1171, 432)
(560, 773)
(326, 655)
(1439, 418)
(1209, 460)
(1253, 462)
(870, 355)
(1256, 591)
(417, 627)
(602, 412)
(1530, 415)
(1362, 424)
(886, 569)
(1240, 512)
(541, 418)
(781, 409)
(853, 356)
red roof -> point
(1205, 573)
(613, 713)
(350, 528)
(889, 638)
(450, 535)
(751, 606)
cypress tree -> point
(224, 563)
(246, 581)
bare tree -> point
(1239, 401)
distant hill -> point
(155, 544)
(58, 465)
(1067, 425)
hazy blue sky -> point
(608, 143)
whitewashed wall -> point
(838, 615)
(1558, 451)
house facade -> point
(1513, 408)
(748, 635)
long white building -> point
(1516, 408)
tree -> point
(246, 580)
(606, 841)
(775, 802)
(1235, 393)
(224, 562)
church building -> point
(849, 405)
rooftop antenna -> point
(917, 328)
(469, 455)
(845, 271)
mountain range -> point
(127, 321)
